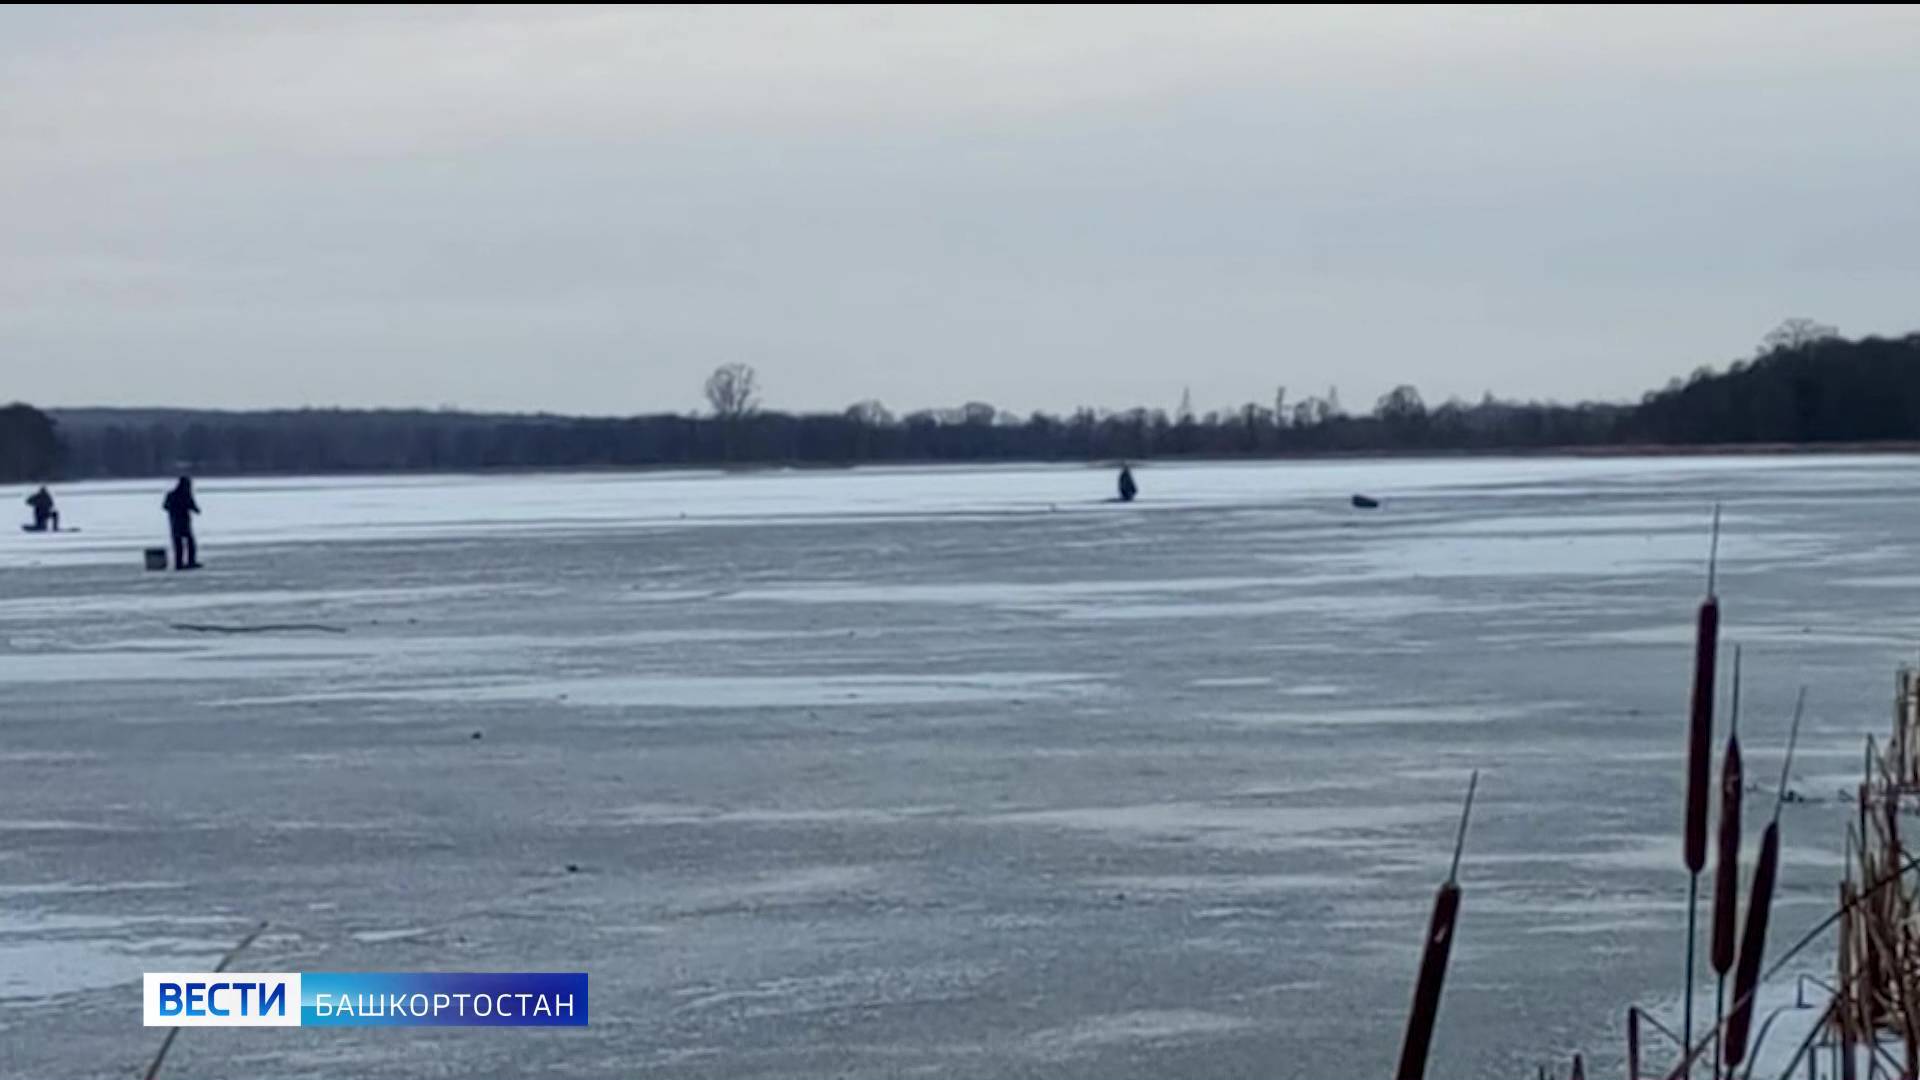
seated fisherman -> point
(45, 517)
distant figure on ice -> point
(180, 509)
(45, 517)
(1128, 489)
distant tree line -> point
(1805, 384)
(115, 442)
(29, 444)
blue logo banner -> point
(443, 999)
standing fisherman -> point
(1128, 489)
(180, 509)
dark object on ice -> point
(1128, 489)
(1365, 502)
(180, 509)
(477, 735)
(156, 558)
(45, 517)
(573, 868)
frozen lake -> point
(941, 772)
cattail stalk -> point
(1753, 942)
(1706, 648)
(1433, 960)
(160, 1058)
(1726, 882)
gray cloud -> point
(587, 209)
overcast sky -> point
(587, 210)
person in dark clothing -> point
(180, 509)
(1128, 489)
(45, 517)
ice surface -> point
(934, 772)
(50, 955)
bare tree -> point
(1401, 405)
(733, 390)
(978, 413)
(1793, 335)
(869, 412)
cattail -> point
(1433, 960)
(1706, 648)
(1633, 1042)
(1579, 1069)
(1753, 941)
(1746, 978)
(1706, 644)
(1726, 882)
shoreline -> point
(1634, 450)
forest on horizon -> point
(1805, 384)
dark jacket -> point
(180, 509)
